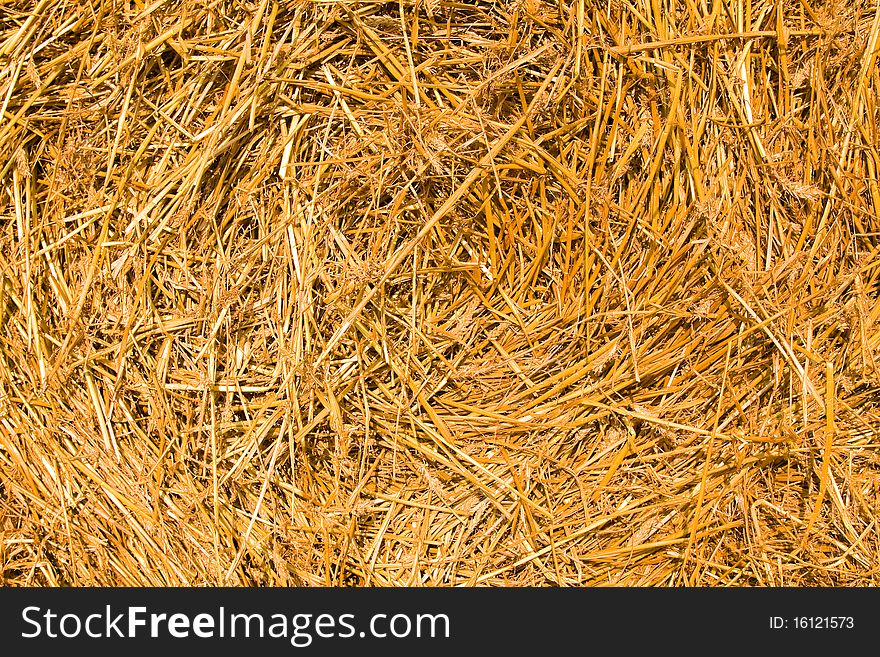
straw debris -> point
(312, 292)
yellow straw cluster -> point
(439, 292)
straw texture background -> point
(439, 292)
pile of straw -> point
(439, 292)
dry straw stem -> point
(439, 293)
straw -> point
(439, 293)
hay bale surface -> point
(439, 293)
